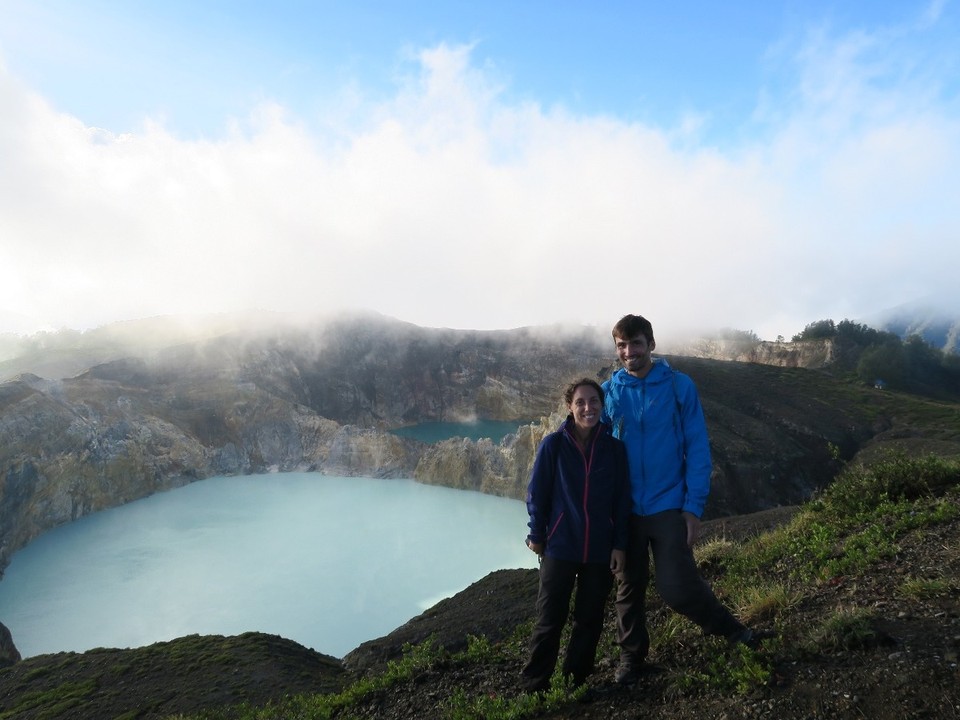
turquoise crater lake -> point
(328, 562)
(434, 432)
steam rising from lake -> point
(328, 562)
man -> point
(656, 412)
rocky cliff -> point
(810, 354)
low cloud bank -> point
(449, 207)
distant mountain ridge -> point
(936, 320)
(936, 329)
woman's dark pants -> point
(557, 579)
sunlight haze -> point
(756, 165)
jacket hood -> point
(658, 373)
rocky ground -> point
(906, 666)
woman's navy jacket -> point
(579, 502)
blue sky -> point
(757, 165)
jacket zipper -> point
(587, 464)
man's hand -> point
(536, 547)
(693, 528)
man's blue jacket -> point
(660, 420)
(579, 502)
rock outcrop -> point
(496, 469)
(8, 651)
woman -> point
(579, 504)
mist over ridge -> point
(65, 352)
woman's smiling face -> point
(585, 407)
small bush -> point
(896, 477)
(923, 589)
(847, 629)
(729, 670)
(758, 603)
(462, 706)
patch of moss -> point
(53, 703)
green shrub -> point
(730, 669)
(924, 589)
(847, 629)
(895, 477)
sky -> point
(758, 165)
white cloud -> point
(447, 206)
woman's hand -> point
(618, 561)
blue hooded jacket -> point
(579, 502)
(660, 420)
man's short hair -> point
(629, 326)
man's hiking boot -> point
(629, 671)
(751, 638)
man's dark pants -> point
(557, 579)
(677, 580)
